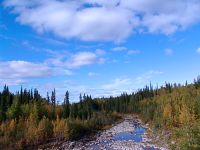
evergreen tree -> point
(48, 98)
(66, 105)
(21, 96)
(53, 97)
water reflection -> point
(135, 136)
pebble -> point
(105, 141)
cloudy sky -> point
(98, 47)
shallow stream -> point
(135, 136)
(129, 134)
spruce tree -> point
(66, 105)
(53, 97)
(48, 98)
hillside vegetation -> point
(26, 118)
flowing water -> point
(130, 134)
(135, 136)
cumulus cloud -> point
(82, 59)
(16, 72)
(76, 60)
(20, 72)
(70, 19)
(101, 20)
(165, 17)
(14, 69)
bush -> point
(31, 130)
(76, 129)
(45, 129)
(60, 128)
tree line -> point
(27, 118)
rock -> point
(173, 142)
(71, 145)
(105, 140)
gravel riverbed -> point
(130, 134)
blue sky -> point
(98, 47)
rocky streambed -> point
(130, 134)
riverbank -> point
(130, 134)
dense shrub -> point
(77, 129)
(44, 129)
(60, 128)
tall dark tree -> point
(66, 105)
(80, 98)
(48, 98)
(21, 96)
(53, 97)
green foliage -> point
(26, 118)
(45, 129)
(60, 128)
(188, 137)
(66, 106)
(15, 111)
(77, 129)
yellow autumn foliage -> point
(185, 116)
(60, 128)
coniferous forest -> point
(28, 119)
(99, 74)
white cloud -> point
(14, 69)
(70, 19)
(92, 74)
(117, 83)
(169, 51)
(120, 85)
(146, 77)
(21, 72)
(132, 52)
(73, 87)
(128, 51)
(105, 20)
(100, 52)
(76, 60)
(101, 60)
(118, 49)
(81, 59)
(68, 72)
(13, 82)
(165, 17)
(16, 72)
(123, 84)
(113, 88)
(52, 41)
(104, 2)
(198, 50)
